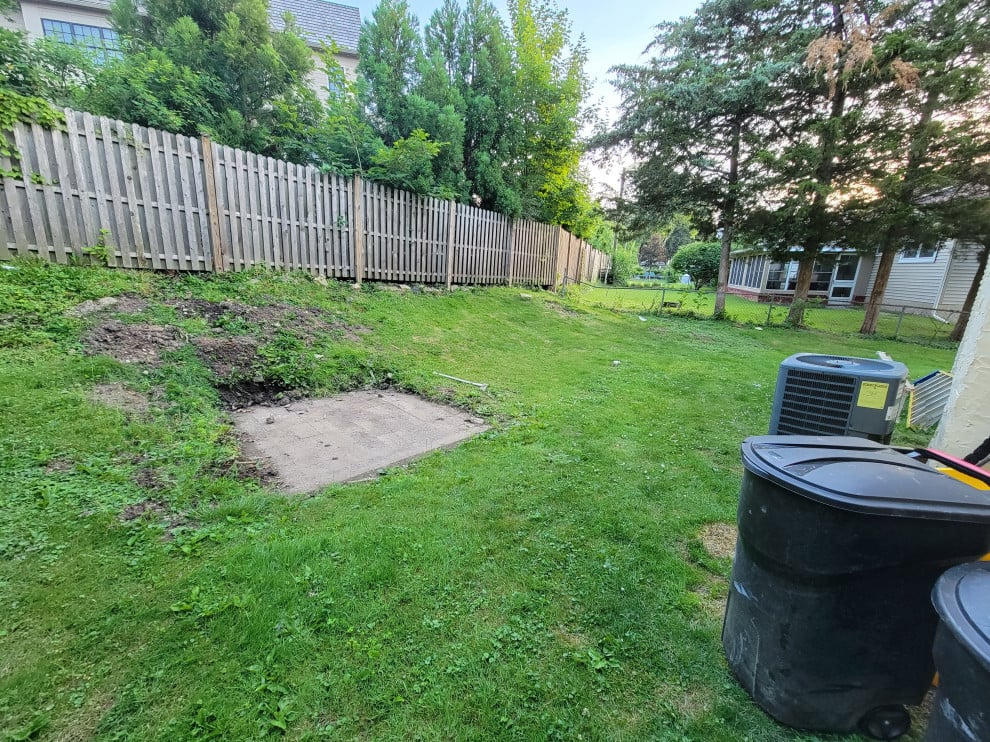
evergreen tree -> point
(930, 120)
(698, 114)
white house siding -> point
(13, 19)
(318, 80)
(966, 421)
(962, 270)
(864, 278)
(87, 13)
(915, 285)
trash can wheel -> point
(886, 722)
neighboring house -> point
(931, 277)
(87, 22)
(840, 276)
(923, 278)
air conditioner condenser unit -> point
(838, 395)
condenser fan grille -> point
(815, 403)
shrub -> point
(699, 260)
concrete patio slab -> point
(314, 442)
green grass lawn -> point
(545, 580)
(916, 328)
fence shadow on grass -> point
(896, 322)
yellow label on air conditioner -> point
(873, 395)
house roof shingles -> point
(320, 21)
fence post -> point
(357, 228)
(663, 298)
(770, 311)
(567, 265)
(451, 226)
(900, 318)
(512, 239)
(213, 206)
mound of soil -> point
(303, 322)
(238, 396)
(137, 343)
(228, 357)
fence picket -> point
(167, 201)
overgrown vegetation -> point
(545, 580)
(471, 107)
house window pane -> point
(846, 270)
(821, 275)
(919, 252)
(775, 278)
(103, 43)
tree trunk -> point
(723, 272)
(960, 329)
(873, 304)
(888, 249)
(728, 221)
(795, 315)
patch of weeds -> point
(199, 606)
(275, 702)
(34, 296)
(288, 362)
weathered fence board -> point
(98, 189)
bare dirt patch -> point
(719, 539)
(561, 310)
(124, 304)
(571, 639)
(59, 466)
(265, 321)
(228, 357)
(243, 394)
(157, 508)
(712, 594)
(133, 343)
(119, 397)
(149, 479)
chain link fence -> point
(896, 322)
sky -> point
(616, 32)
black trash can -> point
(829, 623)
(962, 656)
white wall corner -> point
(966, 420)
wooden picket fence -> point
(102, 190)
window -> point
(919, 253)
(104, 43)
(821, 274)
(775, 278)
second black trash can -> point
(828, 623)
(962, 655)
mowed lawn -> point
(546, 580)
(927, 328)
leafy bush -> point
(624, 267)
(699, 260)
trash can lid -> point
(962, 598)
(863, 476)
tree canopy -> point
(798, 124)
(469, 106)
